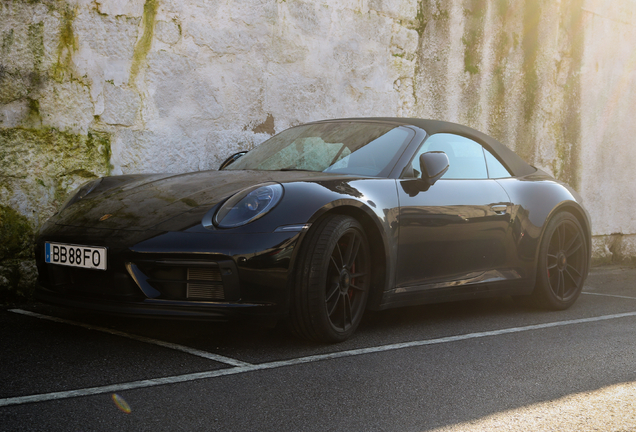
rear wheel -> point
(332, 281)
(563, 263)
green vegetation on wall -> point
(431, 67)
(36, 44)
(59, 157)
(505, 41)
(421, 18)
(39, 165)
(7, 40)
(530, 44)
(473, 41)
(419, 26)
(143, 45)
(67, 44)
(531, 85)
(17, 276)
(16, 235)
(473, 34)
(39, 162)
(568, 147)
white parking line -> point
(185, 349)
(608, 295)
(277, 364)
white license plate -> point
(75, 255)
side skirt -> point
(427, 294)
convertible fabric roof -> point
(515, 164)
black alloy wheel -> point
(563, 263)
(333, 279)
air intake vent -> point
(205, 291)
(204, 274)
(205, 283)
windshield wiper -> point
(295, 169)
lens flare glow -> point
(121, 403)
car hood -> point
(143, 202)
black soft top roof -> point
(513, 162)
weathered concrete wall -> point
(556, 82)
(95, 87)
(512, 69)
(608, 126)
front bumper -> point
(173, 274)
(213, 311)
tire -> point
(332, 281)
(563, 263)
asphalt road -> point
(468, 366)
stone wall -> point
(96, 87)
(608, 127)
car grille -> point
(205, 283)
(187, 280)
(156, 279)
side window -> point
(465, 156)
(495, 168)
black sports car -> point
(318, 224)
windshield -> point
(368, 149)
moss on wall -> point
(39, 165)
(36, 162)
(36, 45)
(33, 117)
(530, 44)
(22, 80)
(144, 43)
(421, 18)
(17, 276)
(67, 44)
(504, 42)
(431, 65)
(474, 12)
(568, 146)
(7, 41)
(22, 150)
(526, 141)
(51, 163)
(16, 235)
(532, 83)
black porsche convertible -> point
(318, 224)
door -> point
(456, 231)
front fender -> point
(374, 203)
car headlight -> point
(80, 193)
(248, 205)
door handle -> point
(499, 209)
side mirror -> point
(434, 165)
(231, 159)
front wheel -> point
(563, 263)
(332, 281)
